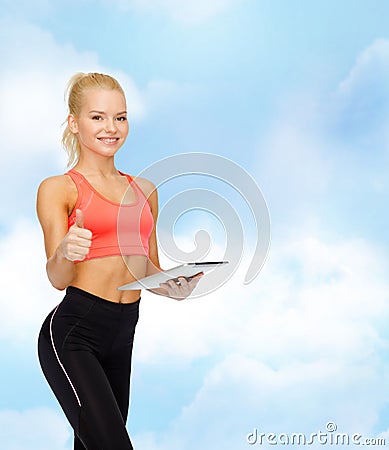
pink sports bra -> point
(117, 229)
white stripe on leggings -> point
(59, 361)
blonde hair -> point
(76, 87)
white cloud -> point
(306, 288)
(188, 12)
(26, 296)
(241, 394)
(321, 286)
(371, 66)
(32, 84)
(302, 345)
(34, 429)
(361, 103)
(321, 151)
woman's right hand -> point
(76, 244)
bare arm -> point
(171, 288)
(55, 199)
(153, 264)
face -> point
(101, 126)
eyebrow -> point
(102, 112)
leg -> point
(101, 425)
(70, 365)
(60, 386)
(98, 421)
(117, 362)
(118, 371)
(57, 380)
(77, 444)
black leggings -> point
(85, 348)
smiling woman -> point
(101, 89)
(85, 344)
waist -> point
(102, 276)
(109, 305)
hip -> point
(85, 317)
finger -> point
(173, 283)
(193, 282)
(83, 242)
(182, 282)
(81, 248)
(198, 275)
(78, 254)
(79, 218)
(83, 233)
(174, 289)
(171, 291)
(79, 237)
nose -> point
(110, 126)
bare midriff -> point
(102, 276)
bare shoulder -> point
(60, 183)
(56, 190)
(147, 186)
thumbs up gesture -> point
(75, 245)
(79, 219)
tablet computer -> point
(186, 270)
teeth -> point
(108, 140)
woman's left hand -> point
(180, 287)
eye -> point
(122, 119)
(97, 118)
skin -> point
(101, 128)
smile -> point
(108, 141)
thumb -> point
(79, 218)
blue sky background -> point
(297, 93)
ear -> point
(72, 124)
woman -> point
(85, 343)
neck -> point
(100, 166)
